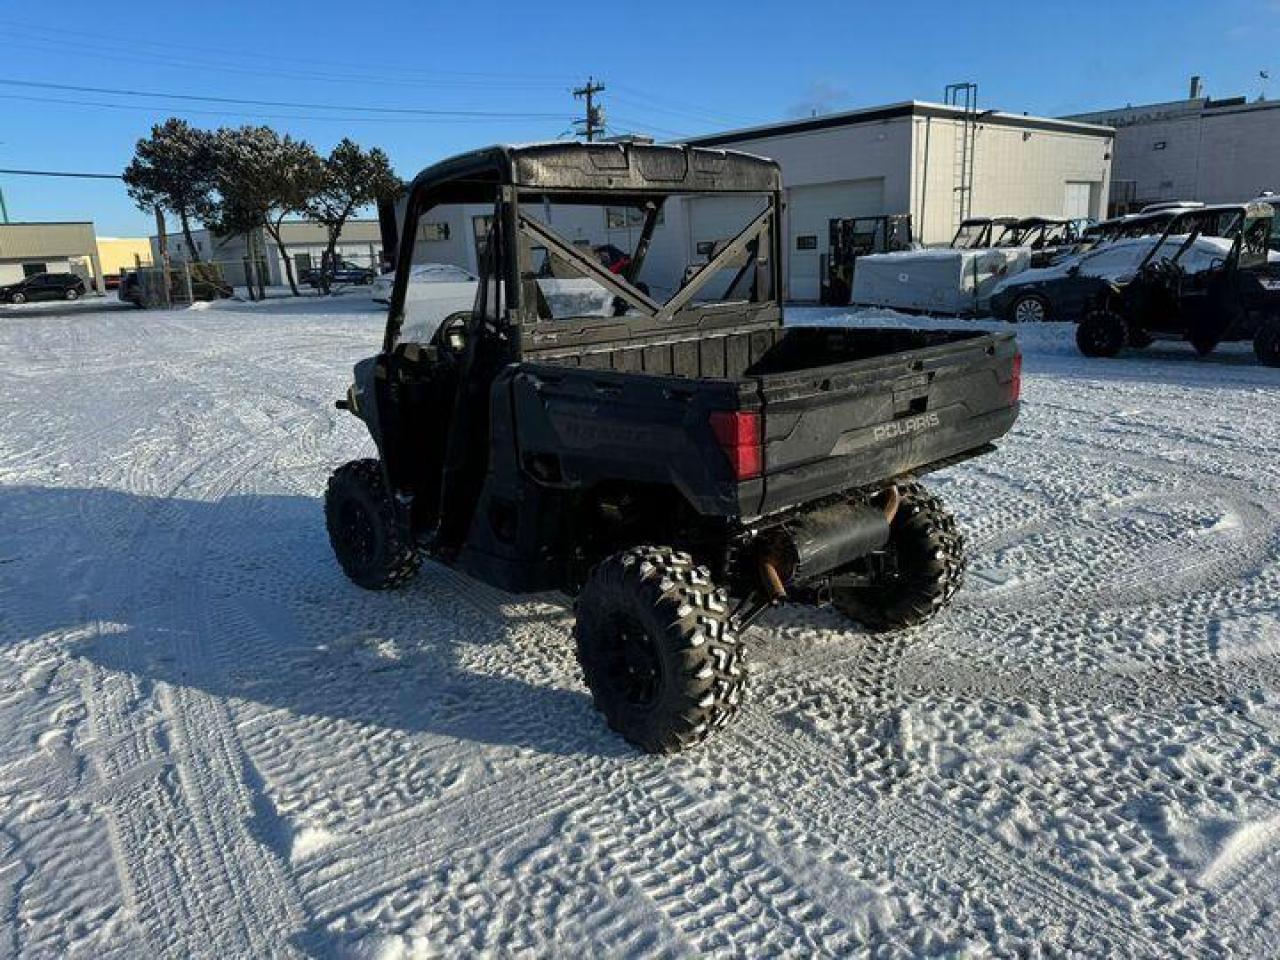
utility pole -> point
(593, 123)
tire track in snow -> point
(209, 858)
(914, 832)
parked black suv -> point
(679, 466)
(342, 272)
(43, 286)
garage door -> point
(1075, 200)
(809, 210)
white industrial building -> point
(912, 158)
(305, 242)
(932, 161)
(1216, 151)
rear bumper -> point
(865, 460)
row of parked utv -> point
(1203, 274)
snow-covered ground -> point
(214, 745)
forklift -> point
(854, 237)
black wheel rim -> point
(1029, 310)
(633, 664)
(358, 535)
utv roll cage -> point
(979, 233)
(519, 181)
(1229, 221)
(1040, 232)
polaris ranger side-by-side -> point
(1235, 296)
(677, 460)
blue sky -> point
(670, 68)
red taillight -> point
(738, 434)
(1015, 380)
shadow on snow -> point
(241, 598)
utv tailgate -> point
(915, 399)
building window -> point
(1160, 145)
(704, 247)
(807, 241)
(433, 231)
(31, 269)
(625, 218)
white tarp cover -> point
(940, 280)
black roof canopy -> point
(607, 168)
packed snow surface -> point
(214, 745)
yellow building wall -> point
(117, 253)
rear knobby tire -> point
(366, 539)
(1266, 344)
(1101, 333)
(662, 661)
(924, 564)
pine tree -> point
(174, 169)
(353, 178)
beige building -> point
(31, 248)
(118, 254)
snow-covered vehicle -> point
(678, 464)
(1201, 289)
(423, 273)
(935, 280)
(1064, 291)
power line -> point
(459, 82)
(414, 111)
(60, 34)
(61, 173)
(181, 110)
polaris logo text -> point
(903, 428)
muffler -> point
(822, 540)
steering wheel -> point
(452, 333)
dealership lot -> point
(216, 739)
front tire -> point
(18, 298)
(1030, 308)
(73, 294)
(363, 530)
(659, 654)
(1101, 333)
(1266, 344)
(917, 574)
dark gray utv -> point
(676, 463)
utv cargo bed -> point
(835, 408)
